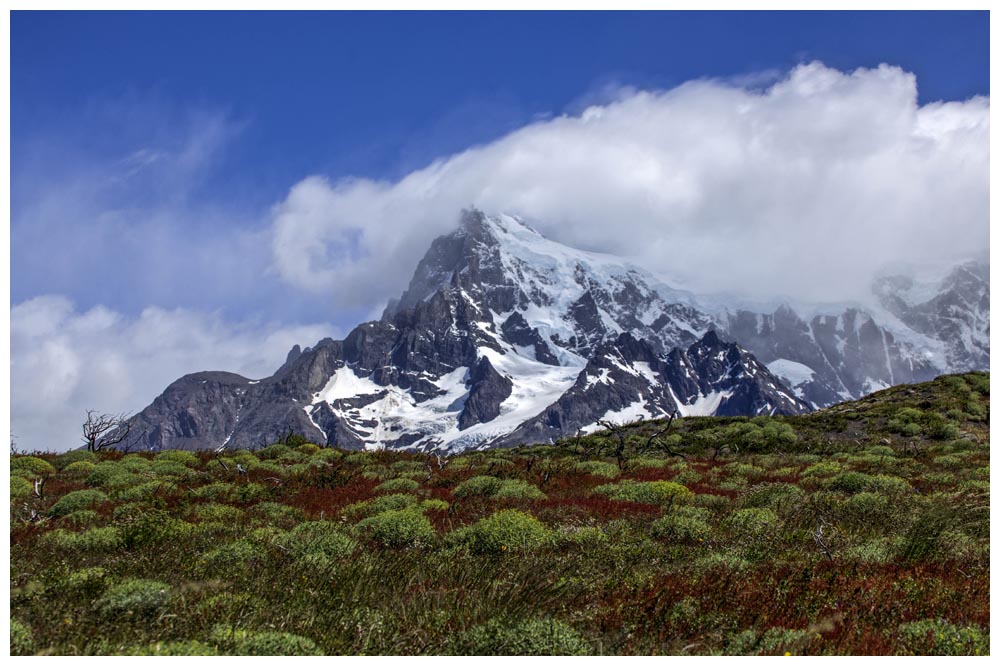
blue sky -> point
(378, 94)
(201, 190)
(368, 94)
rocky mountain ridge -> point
(506, 337)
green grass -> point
(860, 529)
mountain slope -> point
(504, 336)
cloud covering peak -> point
(805, 188)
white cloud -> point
(64, 362)
(804, 188)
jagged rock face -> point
(627, 380)
(488, 391)
(835, 357)
(505, 337)
(956, 312)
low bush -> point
(516, 489)
(508, 530)
(77, 455)
(172, 649)
(645, 492)
(317, 543)
(377, 505)
(599, 468)
(110, 474)
(185, 458)
(30, 466)
(235, 555)
(79, 469)
(481, 486)
(21, 640)
(405, 528)
(263, 643)
(20, 488)
(683, 524)
(940, 637)
(534, 637)
(397, 486)
(77, 500)
(134, 597)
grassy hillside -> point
(861, 529)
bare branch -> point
(107, 431)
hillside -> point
(859, 529)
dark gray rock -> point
(489, 390)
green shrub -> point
(110, 474)
(77, 500)
(589, 537)
(263, 643)
(273, 452)
(752, 523)
(89, 581)
(980, 382)
(950, 460)
(141, 524)
(481, 486)
(397, 486)
(278, 513)
(975, 409)
(850, 482)
(885, 483)
(645, 492)
(599, 468)
(688, 476)
(868, 509)
(403, 528)
(743, 469)
(143, 491)
(941, 429)
(689, 524)
(875, 551)
(307, 449)
(317, 543)
(133, 597)
(102, 539)
(940, 637)
(534, 637)
(508, 530)
(327, 455)
(172, 649)
(80, 469)
(214, 512)
(824, 468)
(775, 496)
(516, 489)
(20, 488)
(168, 469)
(377, 505)
(30, 466)
(433, 505)
(21, 640)
(656, 463)
(77, 455)
(233, 556)
(185, 458)
(292, 457)
(715, 503)
(80, 518)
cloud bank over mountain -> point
(760, 191)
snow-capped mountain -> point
(626, 379)
(506, 337)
